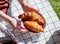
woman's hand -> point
(26, 7)
(29, 9)
(17, 25)
(13, 22)
(4, 6)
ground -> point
(56, 6)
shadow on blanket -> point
(55, 38)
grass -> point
(56, 6)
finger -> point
(2, 2)
(23, 30)
(4, 6)
(4, 10)
(6, 0)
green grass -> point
(56, 6)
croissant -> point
(33, 26)
(33, 21)
(31, 16)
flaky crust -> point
(33, 21)
(32, 16)
(33, 26)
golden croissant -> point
(33, 21)
(31, 16)
(33, 26)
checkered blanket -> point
(52, 32)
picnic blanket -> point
(51, 34)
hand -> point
(28, 8)
(18, 26)
(4, 5)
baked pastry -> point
(33, 21)
(33, 26)
(31, 16)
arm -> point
(8, 19)
(21, 2)
(5, 17)
(3, 11)
(26, 7)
